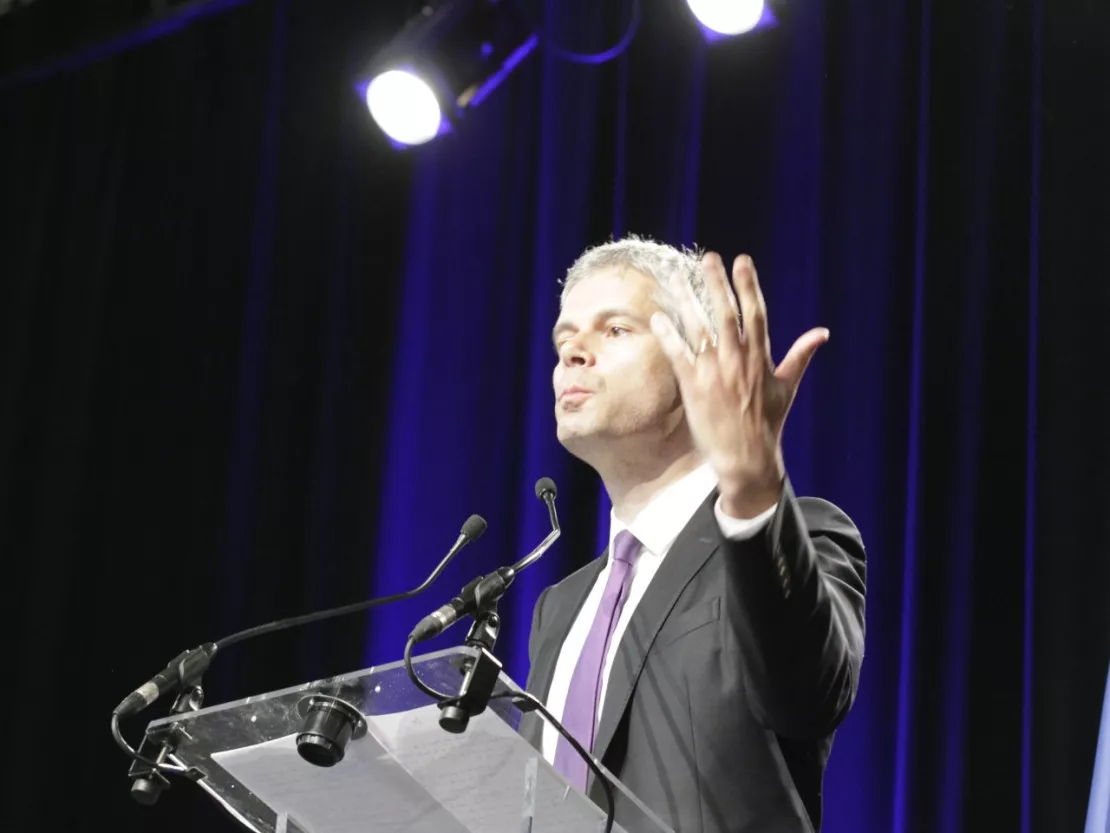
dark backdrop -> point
(255, 362)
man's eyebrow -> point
(602, 315)
(561, 327)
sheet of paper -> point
(409, 775)
(366, 791)
(481, 774)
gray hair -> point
(656, 260)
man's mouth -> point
(574, 394)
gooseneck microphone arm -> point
(472, 530)
(485, 590)
(545, 491)
(187, 667)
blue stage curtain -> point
(883, 167)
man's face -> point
(613, 379)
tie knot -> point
(626, 547)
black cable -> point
(586, 57)
(158, 766)
(440, 697)
(586, 756)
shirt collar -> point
(659, 523)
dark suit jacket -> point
(735, 670)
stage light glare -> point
(728, 17)
(444, 63)
(404, 107)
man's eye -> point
(616, 329)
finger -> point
(724, 306)
(793, 367)
(689, 308)
(674, 346)
(753, 308)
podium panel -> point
(400, 772)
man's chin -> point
(581, 439)
(573, 429)
(571, 434)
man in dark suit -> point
(709, 655)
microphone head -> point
(545, 486)
(474, 527)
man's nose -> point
(577, 352)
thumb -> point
(793, 366)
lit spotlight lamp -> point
(725, 18)
(443, 63)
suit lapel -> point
(563, 609)
(695, 544)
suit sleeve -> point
(797, 597)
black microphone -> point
(486, 589)
(464, 604)
(545, 487)
(187, 667)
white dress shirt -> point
(656, 527)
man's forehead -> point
(608, 286)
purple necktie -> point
(583, 697)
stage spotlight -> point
(443, 63)
(728, 17)
(404, 107)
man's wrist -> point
(748, 506)
(746, 498)
(741, 529)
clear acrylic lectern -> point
(404, 774)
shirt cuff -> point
(739, 529)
